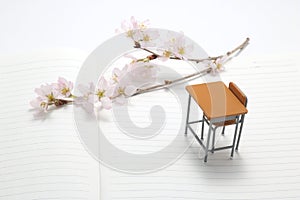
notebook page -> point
(267, 163)
(41, 158)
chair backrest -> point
(238, 93)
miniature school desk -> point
(219, 105)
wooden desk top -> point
(216, 100)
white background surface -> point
(271, 169)
(218, 26)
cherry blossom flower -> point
(217, 65)
(220, 62)
(122, 91)
(47, 95)
(121, 83)
(118, 74)
(103, 93)
(144, 72)
(139, 33)
(47, 92)
(212, 65)
(87, 101)
(146, 37)
(64, 87)
(132, 27)
(177, 47)
(166, 55)
(39, 104)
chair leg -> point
(207, 143)
(240, 133)
(202, 130)
(213, 140)
(223, 130)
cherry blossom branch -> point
(229, 53)
(116, 90)
(156, 55)
(167, 83)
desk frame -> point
(210, 123)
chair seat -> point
(225, 123)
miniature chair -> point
(243, 99)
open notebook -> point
(44, 159)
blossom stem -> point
(240, 47)
(167, 83)
(60, 102)
(229, 53)
(152, 52)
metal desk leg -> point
(187, 115)
(207, 143)
(223, 130)
(202, 127)
(235, 133)
(241, 127)
(213, 140)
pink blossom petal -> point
(102, 84)
(134, 22)
(62, 81)
(88, 107)
(91, 99)
(124, 25)
(106, 103)
(121, 100)
(79, 100)
(39, 91)
(86, 89)
(130, 90)
(98, 105)
(83, 89)
(109, 91)
(36, 103)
